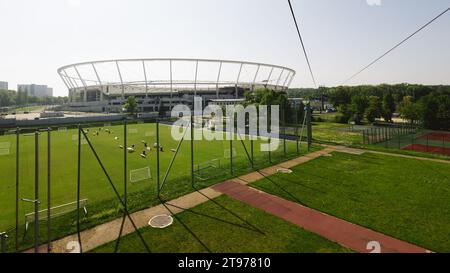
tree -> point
(409, 110)
(374, 109)
(388, 107)
(131, 105)
(358, 108)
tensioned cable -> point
(303, 44)
(396, 46)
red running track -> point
(427, 149)
(345, 233)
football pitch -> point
(212, 161)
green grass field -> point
(277, 235)
(404, 198)
(330, 132)
(102, 204)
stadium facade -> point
(160, 84)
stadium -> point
(160, 84)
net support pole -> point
(231, 154)
(17, 187)
(309, 126)
(36, 191)
(192, 151)
(49, 237)
(252, 152)
(79, 189)
(125, 163)
(284, 130)
(157, 159)
(296, 130)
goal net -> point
(207, 169)
(149, 134)
(140, 175)
(227, 154)
(133, 131)
(62, 129)
(56, 211)
(5, 148)
(83, 140)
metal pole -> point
(296, 129)
(308, 107)
(192, 150)
(17, 187)
(36, 192)
(125, 163)
(79, 189)
(252, 152)
(49, 238)
(270, 153)
(157, 158)
(284, 129)
(231, 154)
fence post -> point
(49, 239)
(231, 154)
(79, 189)
(17, 187)
(308, 119)
(252, 152)
(296, 130)
(36, 192)
(192, 151)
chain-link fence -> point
(61, 180)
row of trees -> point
(13, 98)
(429, 105)
(269, 97)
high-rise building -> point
(34, 90)
(3, 85)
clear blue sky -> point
(341, 36)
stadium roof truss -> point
(129, 76)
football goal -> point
(133, 131)
(205, 170)
(149, 134)
(56, 211)
(62, 129)
(83, 140)
(5, 148)
(227, 155)
(139, 175)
